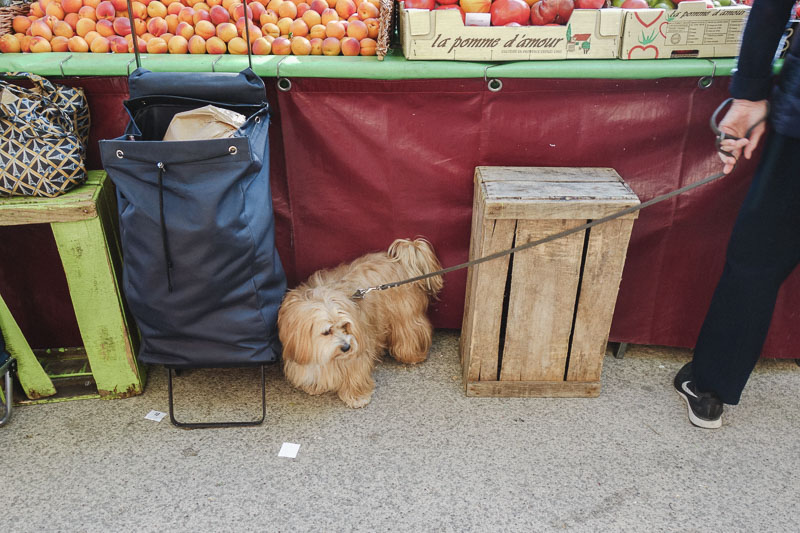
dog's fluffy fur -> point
(332, 342)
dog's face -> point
(318, 326)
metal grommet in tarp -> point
(493, 84)
(284, 84)
(119, 154)
(706, 81)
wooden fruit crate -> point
(536, 323)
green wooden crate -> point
(84, 224)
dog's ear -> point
(295, 329)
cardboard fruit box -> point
(691, 30)
(441, 34)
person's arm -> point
(752, 81)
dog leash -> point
(720, 136)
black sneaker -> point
(705, 408)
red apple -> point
(420, 4)
(505, 11)
(589, 4)
(635, 4)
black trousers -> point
(763, 250)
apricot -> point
(205, 29)
(215, 45)
(345, 8)
(9, 44)
(62, 29)
(84, 26)
(87, 12)
(298, 28)
(369, 47)
(105, 28)
(227, 31)
(281, 46)
(39, 45)
(331, 46)
(105, 10)
(300, 46)
(367, 11)
(157, 45)
(157, 9)
(118, 44)
(197, 45)
(312, 18)
(328, 15)
(178, 45)
(219, 15)
(20, 24)
(271, 29)
(237, 46)
(350, 46)
(71, 6)
(335, 29)
(100, 45)
(357, 29)
(261, 47)
(77, 44)
(156, 26)
(317, 32)
(39, 28)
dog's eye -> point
(327, 332)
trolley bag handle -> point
(136, 44)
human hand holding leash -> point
(740, 131)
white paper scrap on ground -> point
(289, 449)
(155, 416)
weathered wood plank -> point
(533, 389)
(78, 204)
(602, 273)
(31, 375)
(543, 293)
(496, 174)
(95, 296)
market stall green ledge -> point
(393, 67)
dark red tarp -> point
(358, 163)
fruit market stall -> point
(364, 150)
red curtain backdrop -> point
(358, 163)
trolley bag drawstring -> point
(720, 136)
(162, 168)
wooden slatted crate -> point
(536, 322)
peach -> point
(215, 45)
(331, 4)
(141, 43)
(269, 39)
(373, 28)
(146, 36)
(39, 28)
(185, 30)
(199, 15)
(316, 46)
(284, 24)
(40, 44)
(118, 44)
(271, 29)
(274, 4)
(205, 29)
(376, 3)
(166, 36)
(20, 24)
(105, 28)
(77, 44)
(100, 45)
(59, 44)
(172, 22)
(186, 14)
(368, 46)
(122, 26)
(119, 5)
(71, 6)
(298, 28)
(302, 8)
(212, 3)
(157, 45)
(227, 31)
(331, 46)
(157, 9)
(63, 29)
(25, 43)
(178, 45)
(328, 15)
(281, 46)
(140, 26)
(357, 29)
(156, 26)
(261, 47)
(367, 11)
(335, 29)
(87, 12)
(345, 8)
(201, 6)
(287, 9)
(9, 44)
(219, 15)
(257, 10)
(71, 19)
(350, 46)
(105, 10)
(55, 10)
(91, 3)
(301, 46)
(197, 45)
(228, 3)
(84, 26)
(175, 7)
(268, 16)
(37, 10)
(318, 5)
(50, 20)
(312, 18)
(317, 32)
(237, 46)
(237, 11)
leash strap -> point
(361, 293)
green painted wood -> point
(30, 374)
(77, 204)
(98, 306)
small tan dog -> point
(331, 342)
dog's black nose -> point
(345, 347)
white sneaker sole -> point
(697, 421)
